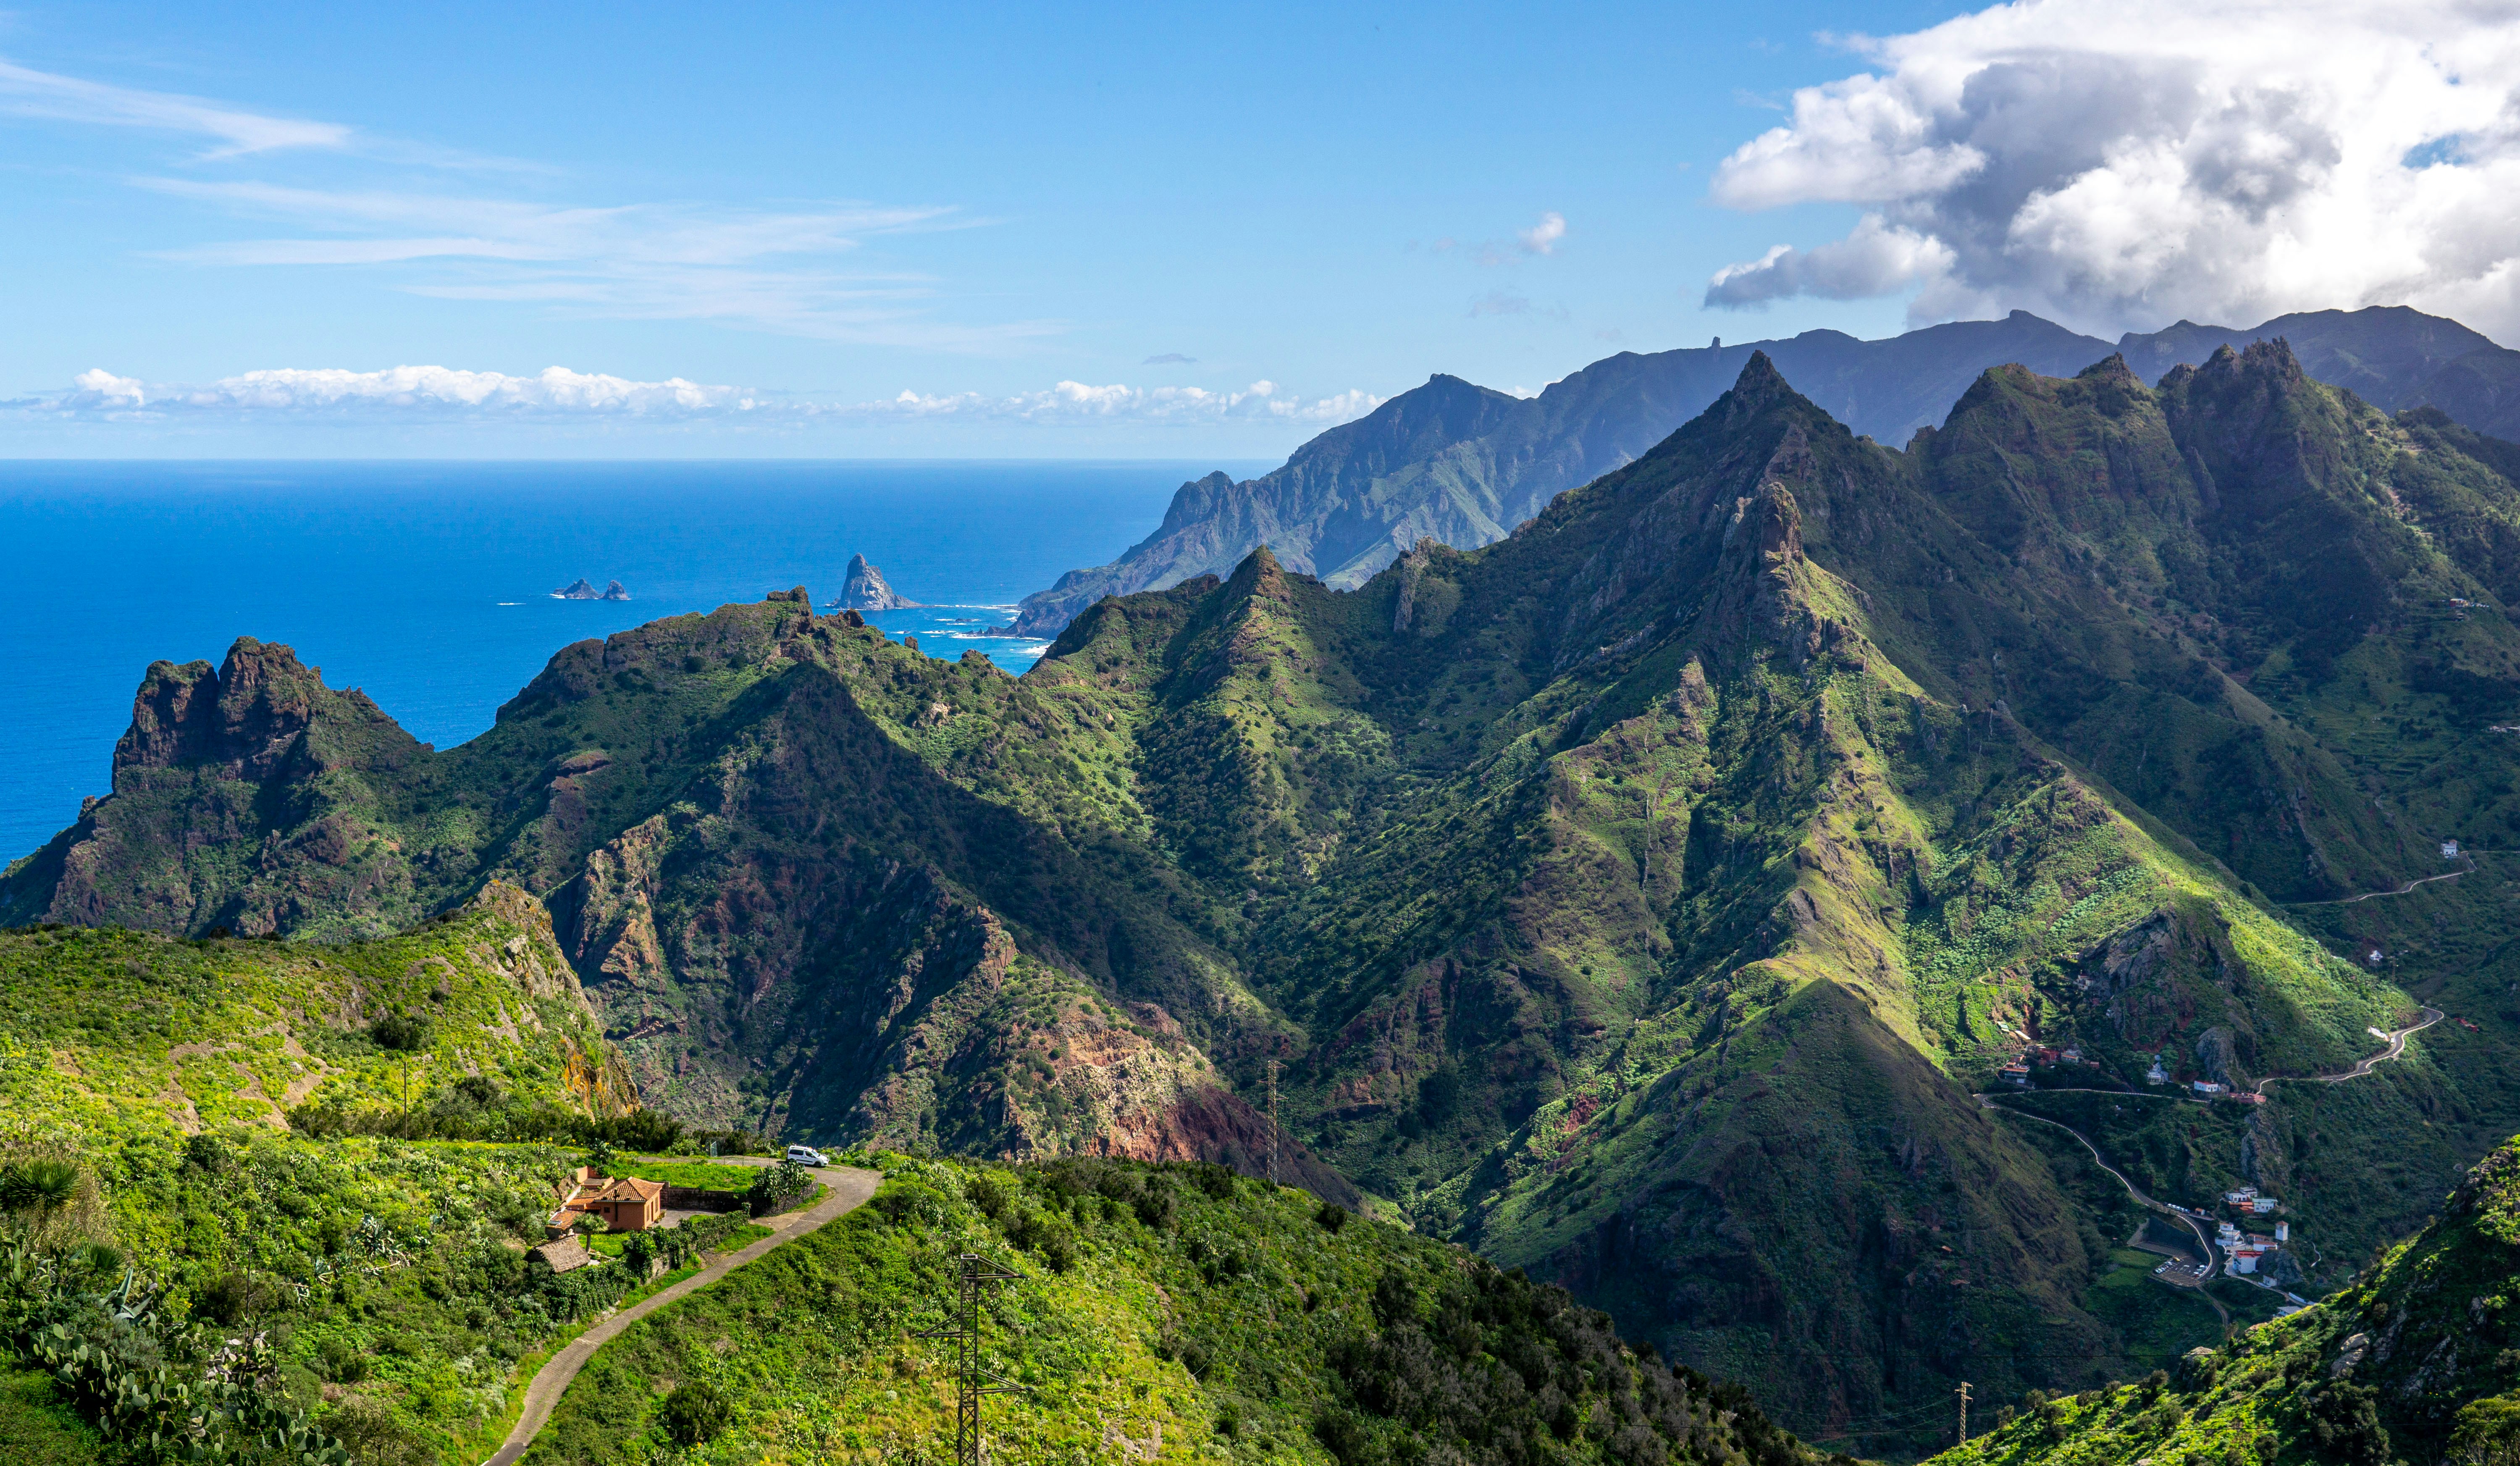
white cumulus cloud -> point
(2121, 163)
(1542, 238)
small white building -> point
(2156, 1074)
(2449, 850)
(2206, 1086)
(2263, 1205)
(2283, 1231)
(2241, 1197)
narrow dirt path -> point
(847, 1190)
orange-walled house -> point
(626, 1203)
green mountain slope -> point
(1174, 1313)
(810, 877)
(2415, 1361)
(110, 1034)
(1638, 900)
(1463, 464)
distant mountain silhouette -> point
(1463, 464)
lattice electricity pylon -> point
(963, 1328)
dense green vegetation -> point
(180, 1270)
(2415, 1361)
(113, 1034)
(1638, 900)
(1175, 1312)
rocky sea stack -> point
(868, 590)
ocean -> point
(428, 585)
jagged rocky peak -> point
(577, 590)
(612, 591)
(868, 590)
(239, 712)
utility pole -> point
(1963, 1393)
(1273, 1122)
(963, 1326)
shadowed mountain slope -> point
(1639, 898)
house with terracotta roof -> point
(626, 1203)
(629, 1204)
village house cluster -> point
(2244, 1249)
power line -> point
(962, 1327)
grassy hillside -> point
(109, 1034)
(1172, 1312)
(155, 1205)
(1638, 900)
(2415, 1361)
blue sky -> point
(1234, 224)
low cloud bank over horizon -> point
(2119, 164)
(410, 393)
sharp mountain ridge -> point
(1637, 898)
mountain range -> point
(1640, 899)
(1463, 465)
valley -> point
(1640, 904)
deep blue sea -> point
(428, 585)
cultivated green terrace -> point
(1640, 900)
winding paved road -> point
(846, 1190)
(2183, 1278)
(2396, 1048)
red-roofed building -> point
(626, 1203)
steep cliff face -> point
(1641, 896)
(866, 589)
(241, 800)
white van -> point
(806, 1155)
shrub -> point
(232, 1298)
(1332, 1216)
(342, 1362)
(204, 1153)
(992, 1199)
(400, 1032)
(374, 1436)
(38, 1185)
(779, 1188)
(697, 1412)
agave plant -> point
(38, 1185)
